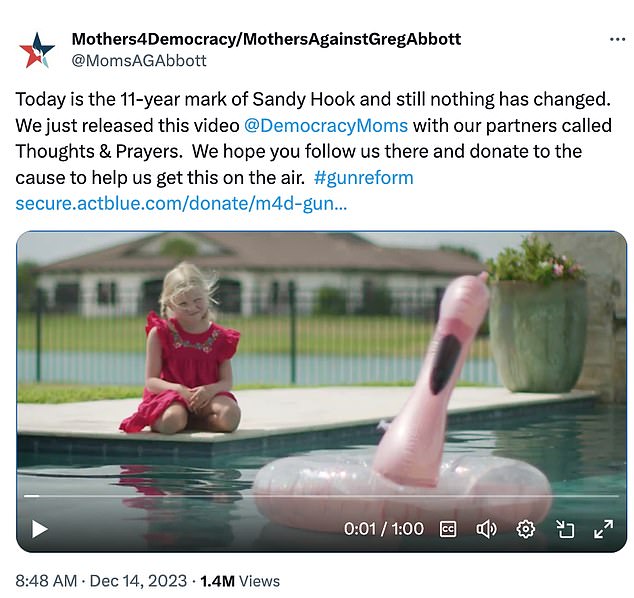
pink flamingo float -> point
(407, 479)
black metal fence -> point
(325, 336)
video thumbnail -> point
(317, 391)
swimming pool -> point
(92, 503)
(86, 367)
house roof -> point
(270, 251)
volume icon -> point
(487, 529)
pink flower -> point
(558, 269)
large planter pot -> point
(538, 334)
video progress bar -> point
(339, 496)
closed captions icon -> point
(448, 529)
(487, 528)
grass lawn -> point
(74, 393)
(317, 335)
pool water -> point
(90, 503)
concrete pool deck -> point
(270, 413)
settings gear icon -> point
(525, 529)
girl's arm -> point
(224, 383)
(153, 361)
(202, 395)
(225, 380)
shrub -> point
(377, 301)
(535, 261)
(330, 301)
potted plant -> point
(537, 317)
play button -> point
(37, 528)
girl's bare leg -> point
(173, 419)
(222, 415)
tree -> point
(462, 251)
(27, 285)
(179, 248)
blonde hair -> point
(183, 278)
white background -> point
(563, 47)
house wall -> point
(48, 282)
(409, 291)
(603, 256)
(307, 284)
(128, 292)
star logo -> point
(37, 52)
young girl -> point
(188, 374)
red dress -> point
(188, 359)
